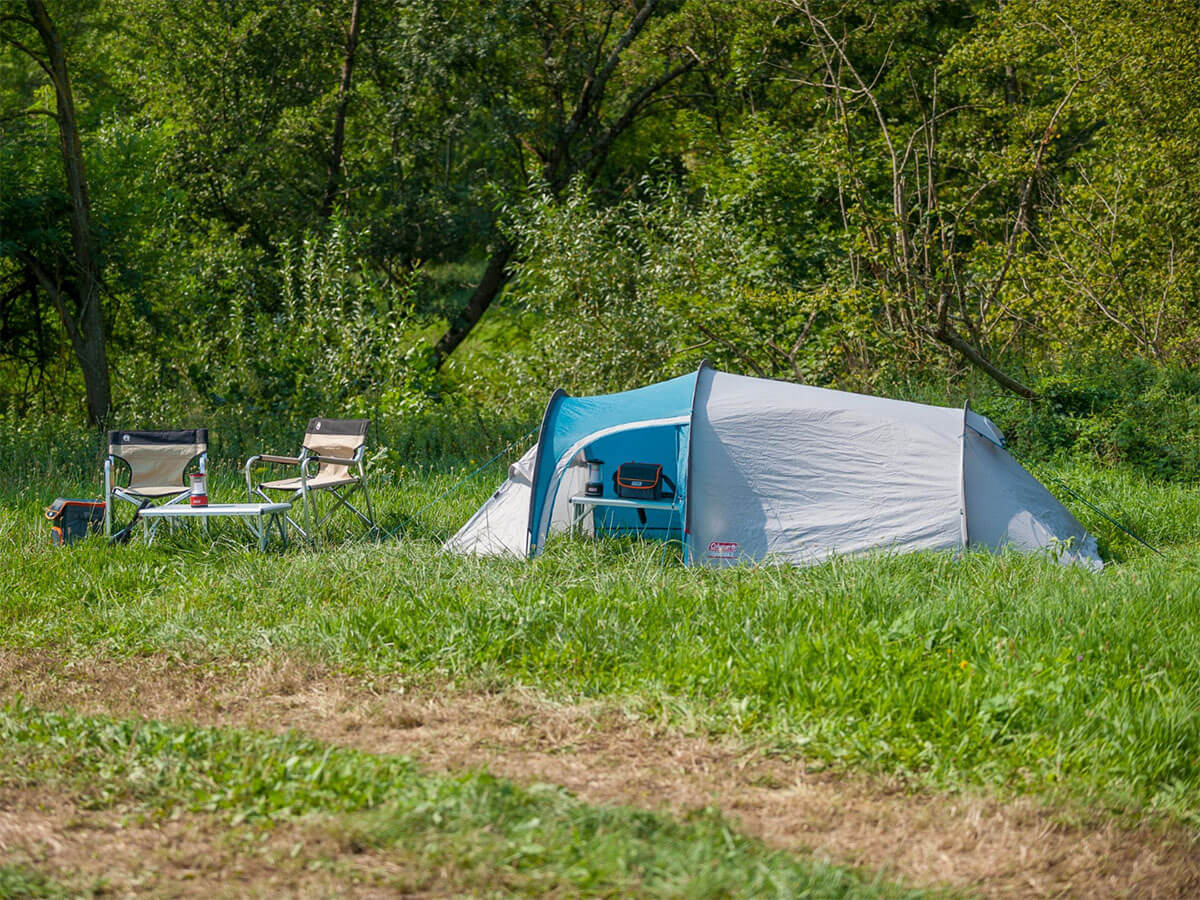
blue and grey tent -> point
(771, 470)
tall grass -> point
(999, 670)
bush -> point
(1129, 412)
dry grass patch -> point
(1002, 849)
(122, 853)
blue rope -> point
(454, 487)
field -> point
(370, 717)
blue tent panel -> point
(573, 423)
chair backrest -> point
(335, 437)
(157, 458)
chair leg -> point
(338, 501)
(310, 511)
(304, 535)
(370, 508)
(108, 498)
(341, 500)
(258, 495)
(300, 530)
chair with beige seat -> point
(337, 447)
(157, 461)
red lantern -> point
(199, 489)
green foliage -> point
(243, 89)
(1109, 265)
(1048, 161)
(23, 883)
(650, 286)
(336, 341)
(1136, 414)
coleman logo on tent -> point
(722, 549)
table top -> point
(215, 509)
(584, 500)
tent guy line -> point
(506, 449)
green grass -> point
(1001, 671)
(21, 882)
(535, 840)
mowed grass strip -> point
(528, 840)
(18, 881)
(1006, 671)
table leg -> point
(281, 521)
(262, 533)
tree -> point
(257, 99)
(566, 127)
(1111, 263)
(69, 277)
(919, 221)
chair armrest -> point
(268, 458)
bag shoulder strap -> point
(669, 483)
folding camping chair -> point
(338, 447)
(157, 462)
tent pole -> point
(533, 548)
(962, 479)
(687, 479)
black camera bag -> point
(642, 481)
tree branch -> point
(50, 286)
(37, 59)
(28, 112)
(945, 334)
(594, 157)
(593, 91)
(339, 121)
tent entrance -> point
(664, 445)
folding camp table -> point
(581, 502)
(259, 517)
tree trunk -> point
(85, 323)
(561, 166)
(495, 276)
(339, 121)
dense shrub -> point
(1129, 412)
